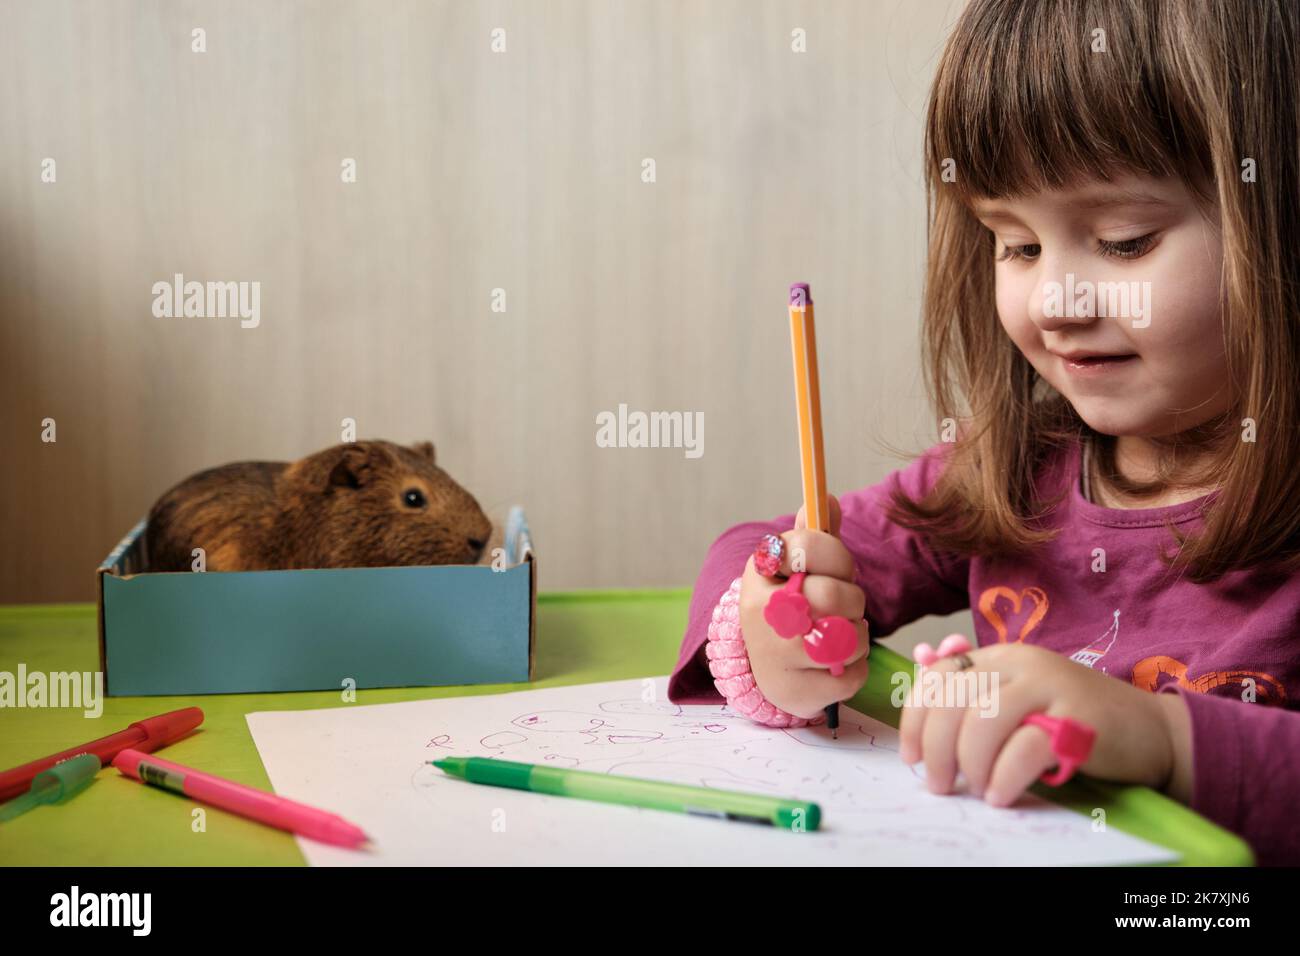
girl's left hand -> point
(1000, 759)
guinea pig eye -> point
(414, 498)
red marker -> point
(147, 735)
(268, 808)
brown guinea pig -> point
(359, 504)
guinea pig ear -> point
(424, 448)
(352, 466)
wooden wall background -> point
(476, 170)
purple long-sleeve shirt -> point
(1218, 645)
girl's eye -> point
(1030, 251)
(1127, 248)
(1122, 249)
(414, 498)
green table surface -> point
(117, 822)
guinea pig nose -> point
(477, 543)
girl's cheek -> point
(1186, 313)
(1013, 313)
(1187, 298)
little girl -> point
(1112, 323)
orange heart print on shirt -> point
(988, 607)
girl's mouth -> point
(1097, 364)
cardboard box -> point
(236, 632)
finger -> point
(815, 552)
(862, 649)
(822, 686)
(918, 706)
(828, 595)
(833, 506)
(755, 593)
(939, 747)
(757, 588)
(1025, 757)
(911, 722)
(989, 724)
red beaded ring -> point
(768, 554)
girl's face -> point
(1128, 270)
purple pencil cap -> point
(801, 294)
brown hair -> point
(1022, 103)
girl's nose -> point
(1053, 303)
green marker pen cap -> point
(59, 783)
(800, 817)
(65, 780)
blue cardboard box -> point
(236, 632)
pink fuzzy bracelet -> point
(729, 665)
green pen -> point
(796, 815)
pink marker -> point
(247, 802)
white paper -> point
(369, 765)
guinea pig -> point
(359, 504)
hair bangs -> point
(1043, 95)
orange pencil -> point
(808, 410)
(808, 407)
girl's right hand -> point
(784, 672)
